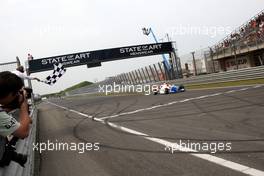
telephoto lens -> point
(29, 92)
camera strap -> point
(2, 140)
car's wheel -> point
(181, 88)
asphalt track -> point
(135, 128)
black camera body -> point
(29, 92)
(10, 154)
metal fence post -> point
(152, 73)
(176, 73)
(146, 68)
(123, 78)
(29, 81)
(18, 61)
(146, 79)
(115, 80)
(131, 77)
(142, 79)
(166, 71)
(163, 74)
(136, 79)
(127, 77)
(194, 64)
(119, 79)
(137, 76)
(157, 73)
(212, 59)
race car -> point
(168, 89)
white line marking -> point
(171, 103)
(216, 94)
(231, 91)
(242, 89)
(258, 86)
(188, 99)
(219, 161)
(204, 96)
(162, 105)
(246, 88)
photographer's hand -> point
(24, 119)
(37, 79)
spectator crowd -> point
(245, 35)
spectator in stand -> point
(261, 27)
(246, 34)
(253, 24)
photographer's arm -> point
(29, 77)
(24, 120)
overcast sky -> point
(55, 27)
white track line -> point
(174, 102)
(258, 86)
(219, 161)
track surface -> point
(231, 116)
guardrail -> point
(233, 75)
(24, 147)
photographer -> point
(13, 96)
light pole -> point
(168, 37)
(235, 54)
(147, 31)
(212, 59)
(194, 63)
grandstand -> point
(243, 48)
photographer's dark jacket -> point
(8, 124)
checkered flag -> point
(58, 71)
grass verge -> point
(226, 84)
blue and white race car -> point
(168, 89)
